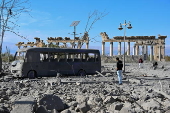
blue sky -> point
(52, 18)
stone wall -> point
(128, 58)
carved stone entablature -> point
(119, 37)
(162, 37)
(59, 38)
(20, 42)
(36, 38)
(144, 37)
(76, 38)
(67, 38)
(50, 38)
(148, 42)
(30, 42)
(134, 37)
(104, 36)
(162, 42)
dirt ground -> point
(144, 90)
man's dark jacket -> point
(119, 65)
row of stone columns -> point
(135, 49)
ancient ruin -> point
(157, 46)
(57, 41)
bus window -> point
(20, 56)
(51, 57)
(91, 57)
(69, 57)
(44, 57)
(96, 57)
(84, 57)
(32, 57)
(77, 57)
(61, 57)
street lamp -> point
(120, 28)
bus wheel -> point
(31, 74)
(81, 73)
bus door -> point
(43, 66)
(90, 63)
(77, 63)
(62, 66)
(52, 64)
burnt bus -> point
(47, 62)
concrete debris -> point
(42, 109)
(109, 99)
(142, 91)
(3, 109)
(26, 104)
(52, 102)
(83, 107)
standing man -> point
(140, 63)
(119, 70)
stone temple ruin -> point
(57, 41)
(157, 46)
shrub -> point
(167, 58)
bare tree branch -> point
(10, 11)
(94, 16)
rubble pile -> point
(98, 93)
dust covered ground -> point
(144, 90)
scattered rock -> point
(83, 107)
(52, 102)
(26, 104)
(109, 99)
(42, 109)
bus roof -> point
(47, 49)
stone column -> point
(137, 49)
(163, 52)
(156, 52)
(18, 54)
(119, 48)
(87, 45)
(151, 53)
(143, 50)
(72, 44)
(134, 48)
(146, 49)
(128, 51)
(65, 44)
(103, 48)
(160, 53)
(111, 48)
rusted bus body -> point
(47, 62)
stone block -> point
(24, 104)
(52, 102)
(42, 109)
(83, 107)
(109, 99)
(81, 98)
(3, 109)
